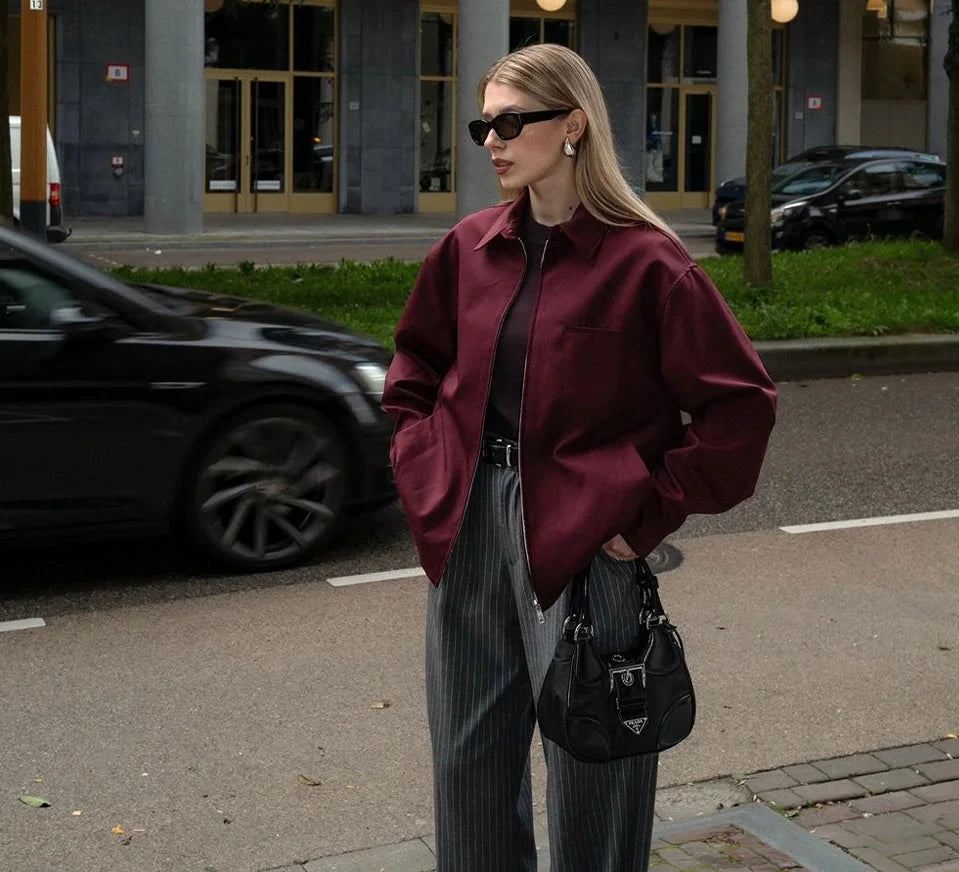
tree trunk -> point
(951, 63)
(757, 266)
(6, 170)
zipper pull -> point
(539, 611)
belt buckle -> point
(509, 463)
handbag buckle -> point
(627, 675)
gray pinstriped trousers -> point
(486, 657)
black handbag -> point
(605, 707)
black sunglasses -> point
(509, 125)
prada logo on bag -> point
(636, 724)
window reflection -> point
(436, 137)
(313, 144)
(663, 62)
(313, 39)
(662, 133)
(699, 53)
(249, 36)
(436, 41)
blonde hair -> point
(559, 78)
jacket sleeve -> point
(715, 375)
(425, 340)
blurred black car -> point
(833, 203)
(131, 408)
(735, 189)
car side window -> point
(874, 181)
(29, 298)
(809, 181)
(920, 176)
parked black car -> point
(130, 408)
(735, 189)
(833, 203)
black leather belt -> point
(502, 452)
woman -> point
(542, 364)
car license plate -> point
(735, 236)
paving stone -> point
(887, 802)
(948, 746)
(910, 846)
(924, 858)
(805, 773)
(893, 827)
(894, 779)
(703, 834)
(945, 770)
(945, 812)
(828, 791)
(877, 860)
(774, 779)
(941, 792)
(411, 856)
(839, 835)
(287, 869)
(948, 838)
(909, 755)
(785, 798)
(827, 814)
(846, 767)
(680, 859)
(951, 866)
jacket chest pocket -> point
(604, 370)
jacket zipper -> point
(519, 463)
(489, 385)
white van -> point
(56, 232)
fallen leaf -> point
(38, 781)
(76, 813)
(382, 704)
(950, 736)
(117, 831)
(34, 801)
(306, 781)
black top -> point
(506, 392)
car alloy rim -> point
(271, 488)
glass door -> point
(246, 145)
(698, 147)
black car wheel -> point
(815, 238)
(269, 488)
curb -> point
(798, 359)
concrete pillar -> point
(813, 50)
(378, 85)
(173, 121)
(849, 91)
(938, 110)
(483, 37)
(613, 40)
(732, 91)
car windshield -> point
(784, 171)
(811, 180)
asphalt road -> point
(843, 448)
(184, 707)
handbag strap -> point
(579, 622)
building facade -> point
(358, 105)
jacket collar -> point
(582, 229)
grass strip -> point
(866, 289)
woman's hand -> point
(618, 549)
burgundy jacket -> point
(626, 331)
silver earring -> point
(569, 149)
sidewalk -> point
(893, 810)
(263, 227)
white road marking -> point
(392, 575)
(25, 624)
(871, 522)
